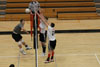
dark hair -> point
(46, 18)
(21, 20)
(12, 65)
(52, 25)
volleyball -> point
(27, 10)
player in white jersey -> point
(42, 36)
(52, 42)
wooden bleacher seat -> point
(51, 10)
(64, 4)
(17, 5)
(24, 16)
(2, 5)
(2, 10)
(18, 10)
(68, 4)
(45, 0)
(79, 18)
(76, 15)
(17, 16)
(72, 9)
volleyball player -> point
(51, 38)
(52, 42)
(43, 35)
(16, 35)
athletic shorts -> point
(42, 37)
(52, 45)
(16, 37)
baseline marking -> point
(27, 56)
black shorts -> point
(16, 37)
(52, 45)
(42, 37)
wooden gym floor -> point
(73, 49)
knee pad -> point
(22, 41)
(19, 43)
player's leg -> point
(49, 53)
(43, 48)
(52, 56)
(53, 45)
(26, 46)
(42, 40)
(49, 56)
(17, 38)
(20, 47)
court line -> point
(27, 56)
(55, 61)
(97, 58)
(19, 60)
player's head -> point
(12, 65)
(46, 18)
(22, 21)
(52, 25)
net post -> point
(35, 40)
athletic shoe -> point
(28, 48)
(43, 54)
(47, 61)
(52, 60)
(23, 52)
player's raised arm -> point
(42, 18)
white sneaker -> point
(47, 61)
(43, 54)
(23, 52)
(52, 60)
(28, 48)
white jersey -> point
(51, 33)
(34, 6)
(42, 27)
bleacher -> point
(61, 9)
(2, 8)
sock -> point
(52, 55)
(44, 48)
(48, 57)
(45, 35)
(21, 49)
